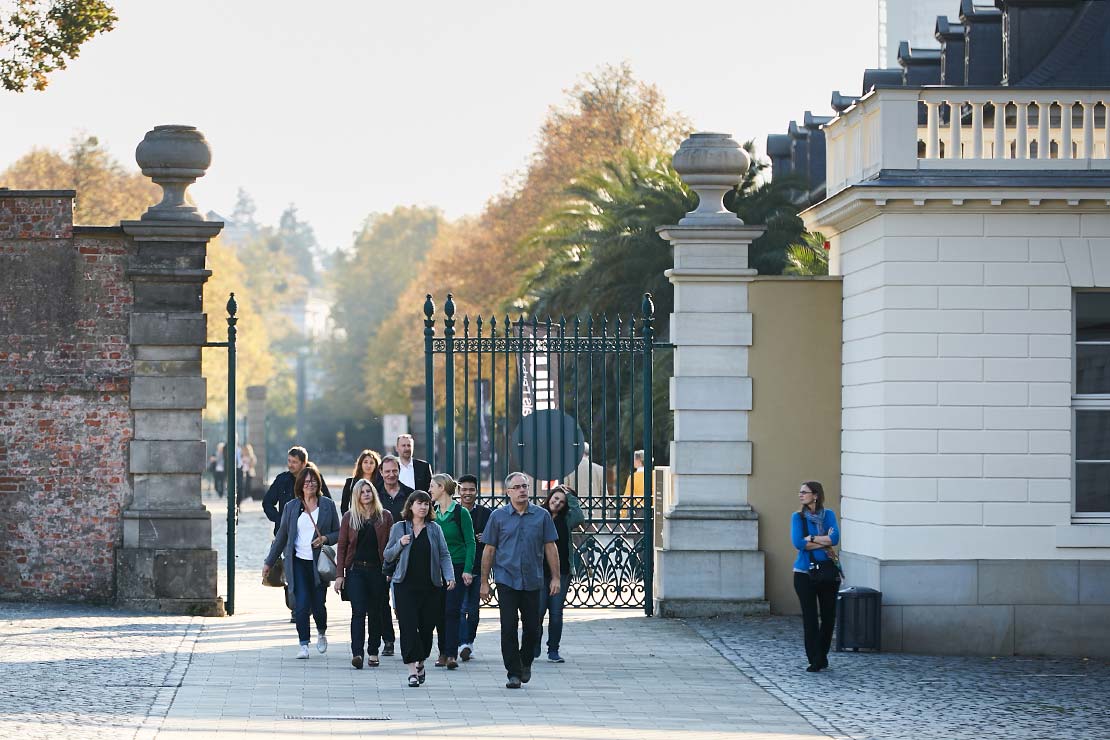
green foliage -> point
(365, 281)
(40, 36)
(809, 256)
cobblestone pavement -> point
(78, 672)
(897, 696)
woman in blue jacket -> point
(815, 533)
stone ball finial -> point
(711, 164)
(174, 157)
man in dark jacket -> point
(415, 473)
(479, 515)
(281, 490)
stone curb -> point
(171, 682)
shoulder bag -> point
(325, 561)
(823, 572)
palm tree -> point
(599, 252)
(809, 256)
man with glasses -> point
(468, 615)
(517, 539)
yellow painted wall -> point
(795, 419)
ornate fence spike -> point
(429, 307)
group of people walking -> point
(400, 531)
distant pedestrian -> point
(244, 467)
(422, 565)
(219, 470)
(518, 538)
(556, 506)
(634, 487)
(458, 531)
(366, 468)
(308, 522)
(815, 534)
(363, 534)
(469, 607)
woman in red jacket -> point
(362, 537)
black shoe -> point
(387, 650)
(526, 674)
(513, 682)
(813, 669)
(420, 674)
(824, 663)
(356, 661)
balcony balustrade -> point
(960, 128)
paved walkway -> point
(626, 677)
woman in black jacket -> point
(366, 468)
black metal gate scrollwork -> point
(592, 372)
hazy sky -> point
(346, 108)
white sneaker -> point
(302, 654)
(321, 643)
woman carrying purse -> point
(815, 532)
(308, 522)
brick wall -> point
(65, 418)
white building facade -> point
(976, 341)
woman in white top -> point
(307, 522)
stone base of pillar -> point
(693, 581)
(188, 607)
(168, 581)
(699, 608)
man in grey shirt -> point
(517, 539)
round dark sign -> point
(548, 445)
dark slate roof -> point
(778, 145)
(841, 103)
(873, 78)
(916, 55)
(811, 121)
(971, 11)
(947, 29)
(1081, 55)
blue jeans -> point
(554, 605)
(468, 610)
(308, 596)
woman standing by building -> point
(366, 468)
(421, 563)
(556, 506)
(458, 531)
(307, 523)
(815, 533)
(362, 537)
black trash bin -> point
(859, 619)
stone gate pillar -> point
(709, 562)
(167, 562)
(256, 437)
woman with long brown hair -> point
(308, 522)
(366, 468)
(362, 537)
(815, 534)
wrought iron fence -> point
(534, 395)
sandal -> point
(372, 661)
(413, 681)
(420, 673)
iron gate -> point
(508, 375)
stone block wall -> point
(65, 418)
